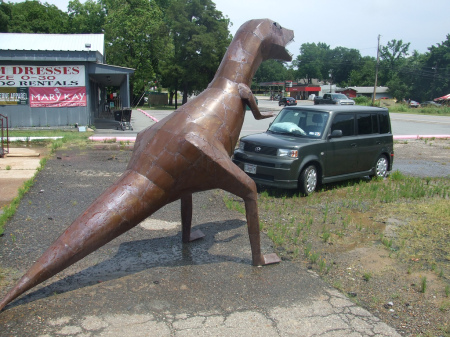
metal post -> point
(376, 71)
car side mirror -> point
(336, 134)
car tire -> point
(381, 167)
(308, 180)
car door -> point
(368, 140)
(342, 152)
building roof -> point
(368, 90)
(52, 42)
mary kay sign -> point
(57, 97)
(45, 76)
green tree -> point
(34, 17)
(136, 37)
(398, 88)
(5, 16)
(86, 18)
(436, 69)
(392, 56)
(364, 74)
(313, 61)
(200, 37)
(271, 70)
(342, 61)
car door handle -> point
(378, 143)
(353, 145)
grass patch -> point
(381, 236)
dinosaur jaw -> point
(280, 53)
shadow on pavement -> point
(136, 256)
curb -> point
(132, 139)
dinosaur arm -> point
(249, 99)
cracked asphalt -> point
(147, 283)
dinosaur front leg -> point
(186, 220)
(247, 96)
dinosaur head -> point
(273, 38)
(254, 42)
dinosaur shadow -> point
(135, 256)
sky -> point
(352, 24)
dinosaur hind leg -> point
(243, 186)
(232, 179)
(186, 220)
(221, 172)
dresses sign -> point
(42, 76)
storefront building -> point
(57, 79)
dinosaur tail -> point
(121, 207)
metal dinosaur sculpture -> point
(186, 152)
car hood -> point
(278, 140)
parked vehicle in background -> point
(306, 146)
(431, 104)
(414, 104)
(338, 99)
(287, 101)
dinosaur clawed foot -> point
(267, 259)
(198, 234)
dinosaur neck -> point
(240, 62)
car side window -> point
(344, 122)
(364, 124)
(384, 123)
(375, 126)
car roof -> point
(337, 108)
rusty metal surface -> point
(186, 152)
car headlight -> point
(287, 153)
(241, 145)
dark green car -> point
(306, 146)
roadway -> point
(403, 125)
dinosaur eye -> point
(276, 24)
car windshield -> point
(339, 96)
(299, 123)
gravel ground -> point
(423, 158)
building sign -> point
(57, 97)
(42, 76)
(13, 96)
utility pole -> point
(376, 71)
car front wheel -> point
(308, 180)
(381, 168)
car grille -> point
(240, 158)
(261, 176)
(266, 150)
